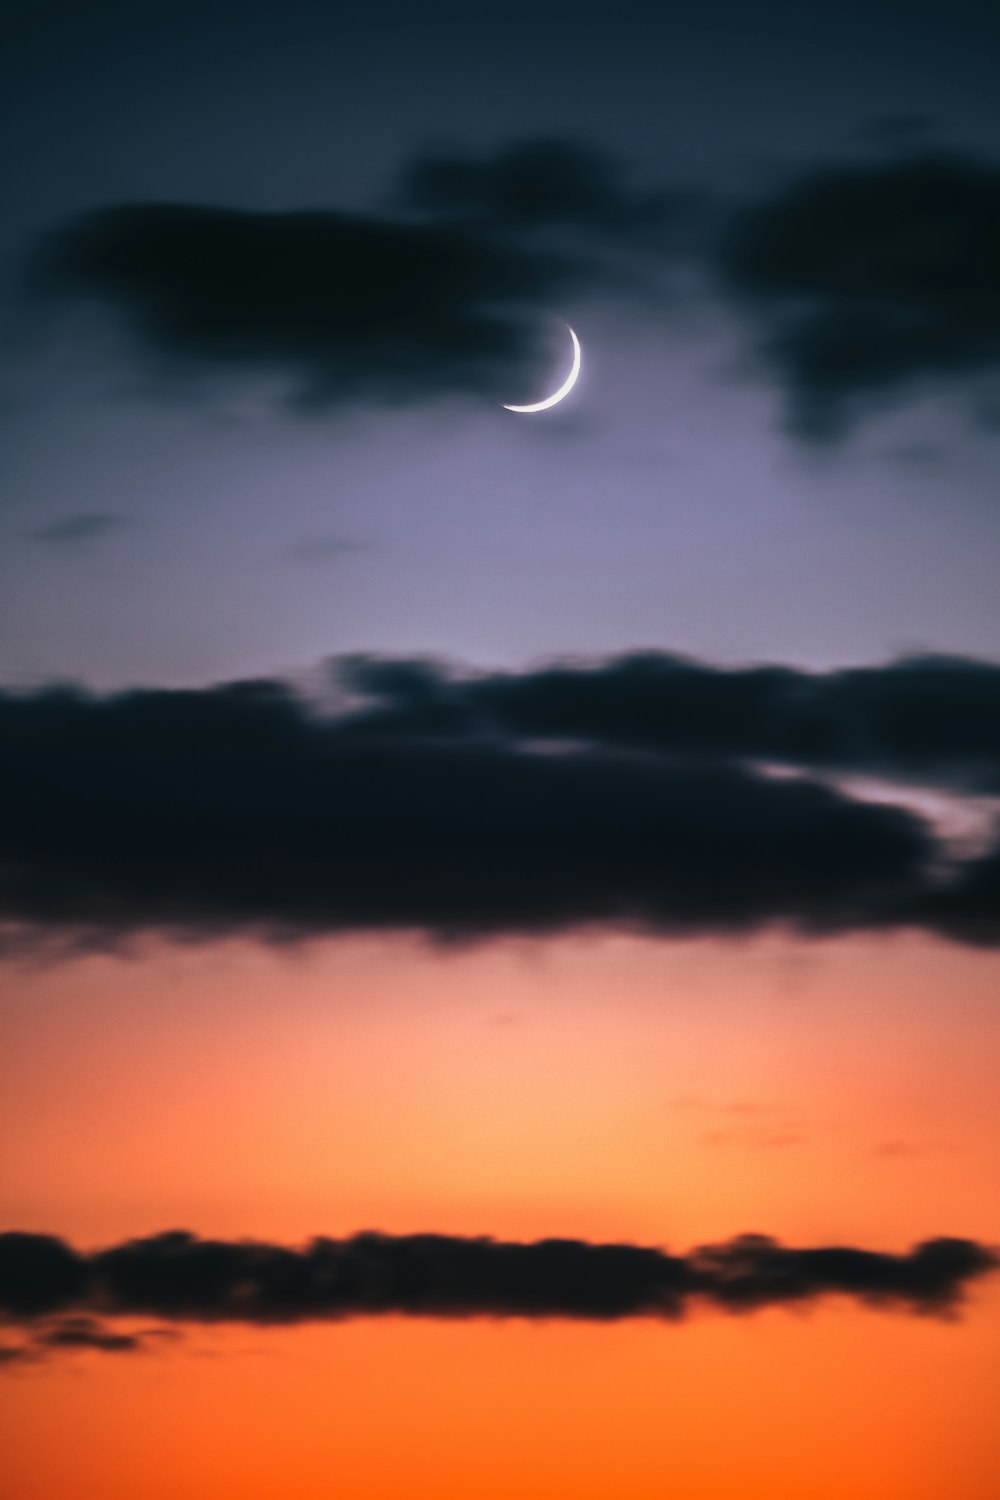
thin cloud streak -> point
(52, 1290)
(77, 530)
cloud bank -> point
(869, 281)
(54, 1290)
(449, 292)
(855, 285)
(550, 182)
(350, 307)
(636, 794)
(931, 720)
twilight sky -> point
(425, 823)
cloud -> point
(932, 720)
(351, 307)
(238, 809)
(547, 182)
(646, 792)
(327, 549)
(866, 280)
(967, 910)
(86, 1333)
(859, 284)
(180, 1278)
(448, 292)
(75, 1334)
(74, 531)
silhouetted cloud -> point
(78, 1333)
(236, 808)
(179, 1277)
(549, 182)
(646, 792)
(72, 531)
(351, 307)
(859, 282)
(929, 719)
(869, 278)
(967, 909)
(87, 1333)
(447, 293)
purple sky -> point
(179, 535)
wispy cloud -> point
(78, 1333)
(77, 530)
(327, 549)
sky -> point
(499, 912)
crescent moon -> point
(563, 390)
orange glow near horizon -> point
(607, 1088)
(603, 1088)
(771, 1407)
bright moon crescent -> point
(563, 390)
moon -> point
(563, 390)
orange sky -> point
(607, 1088)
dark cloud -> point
(868, 279)
(638, 792)
(930, 719)
(75, 1334)
(87, 1333)
(546, 182)
(181, 1278)
(861, 282)
(40, 1275)
(967, 909)
(895, 130)
(351, 307)
(448, 293)
(236, 808)
(72, 531)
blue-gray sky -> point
(160, 528)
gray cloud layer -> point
(351, 307)
(931, 720)
(52, 1290)
(627, 794)
(854, 283)
(866, 279)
